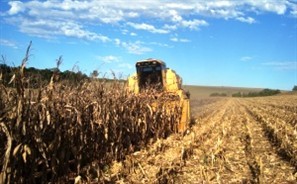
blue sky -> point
(243, 43)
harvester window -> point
(150, 75)
(147, 69)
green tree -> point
(94, 74)
(294, 88)
(238, 94)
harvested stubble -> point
(226, 144)
(51, 134)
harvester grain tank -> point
(153, 74)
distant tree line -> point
(36, 78)
(264, 92)
(39, 77)
(218, 95)
(294, 88)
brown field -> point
(246, 140)
(97, 132)
(205, 91)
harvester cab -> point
(152, 74)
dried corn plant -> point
(50, 134)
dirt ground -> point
(231, 140)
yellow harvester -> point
(153, 74)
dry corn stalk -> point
(52, 132)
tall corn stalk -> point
(50, 134)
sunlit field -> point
(98, 132)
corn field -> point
(61, 132)
(99, 132)
(233, 140)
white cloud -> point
(220, 4)
(294, 13)
(170, 27)
(175, 17)
(116, 65)
(75, 30)
(87, 19)
(193, 24)
(160, 44)
(249, 20)
(117, 42)
(50, 29)
(125, 65)
(8, 43)
(135, 47)
(180, 22)
(171, 15)
(114, 61)
(127, 32)
(109, 59)
(179, 6)
(246, 58)
(16, 7)
(293, 9)
(111, 12)
(282, 65)
(275, 6)
(147, 27)
(175, 39)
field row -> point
(232, 141)
(240, 151)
